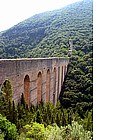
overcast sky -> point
(15, 11)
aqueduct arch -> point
(39, 87)
(62, 75)
(58, 88)
(54, 86)
(7, 93)
(4, 84)
(48, 86)
(36, 78)
(27, 89)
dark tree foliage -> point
(44, 114)
(7, 90)
(39, 117)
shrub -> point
(36, 131)
(8, 130)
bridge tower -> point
(71, 48)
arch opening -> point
(3, 86)
(54, 86)
(27, 89)
(65, 70)
(62, 76)
(6, 89)
(48, 86)
(39, 87)
(58, 88)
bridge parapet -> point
(36, 78)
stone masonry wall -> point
(36, 69)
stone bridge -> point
(36, 78)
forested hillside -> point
(47, 35)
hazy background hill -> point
(47, 34)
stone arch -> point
(39, 87)
(27, 89)
(62, 76)
(48, 86)
(58, 88)
(65, 69)
(3, 84)
(54, 85)
(6, 87)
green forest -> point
(47, 35)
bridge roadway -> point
(36, 78)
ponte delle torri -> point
(36, 78)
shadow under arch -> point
(39, 87)
(27, 89)
(3, 84)
(6, 89)
(54, 85)
(58, 85)
(48, 86)
(65, 70)
(62, 76)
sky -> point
(116, 69)
(15, 11)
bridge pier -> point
(36, 78)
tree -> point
(9, 129)
(76, 131)
(35, 131)
(14, 113)
(22, 100)
(39, 117)
(7, 90)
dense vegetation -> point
(47, 35)
(43, 121)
